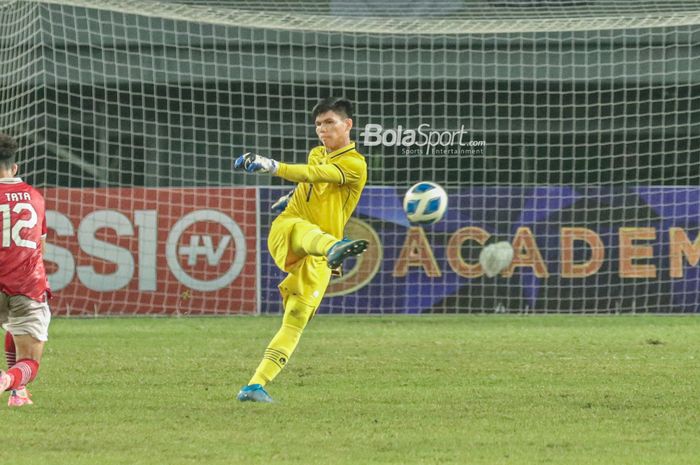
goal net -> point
(569, 128)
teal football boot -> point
(344, 249)
(254, 393)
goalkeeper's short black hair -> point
(8, 150)
(339, 105)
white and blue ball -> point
(425, 203)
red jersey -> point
(22, 228)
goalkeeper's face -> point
(333, 129)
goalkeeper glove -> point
(495, 258)
(282, 202)
(254, 163)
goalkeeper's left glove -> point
(254, 163)
(282, 202)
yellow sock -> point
(296, 316)
(308, 239)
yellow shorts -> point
(308, 276)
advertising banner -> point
(590, 249)
(152, 251)
(196, 251)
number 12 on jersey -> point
(11, 232)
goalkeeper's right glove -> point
(282, 202)
(254, 163)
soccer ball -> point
(496, 257)
(425, 203)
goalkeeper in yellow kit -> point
(306, 239)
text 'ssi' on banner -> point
(152, 251)
(596, 249)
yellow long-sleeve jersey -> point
(329, 187)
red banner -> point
(152, 251)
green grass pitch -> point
(366, 390)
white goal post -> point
(570, 129)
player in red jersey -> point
(24, 290)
